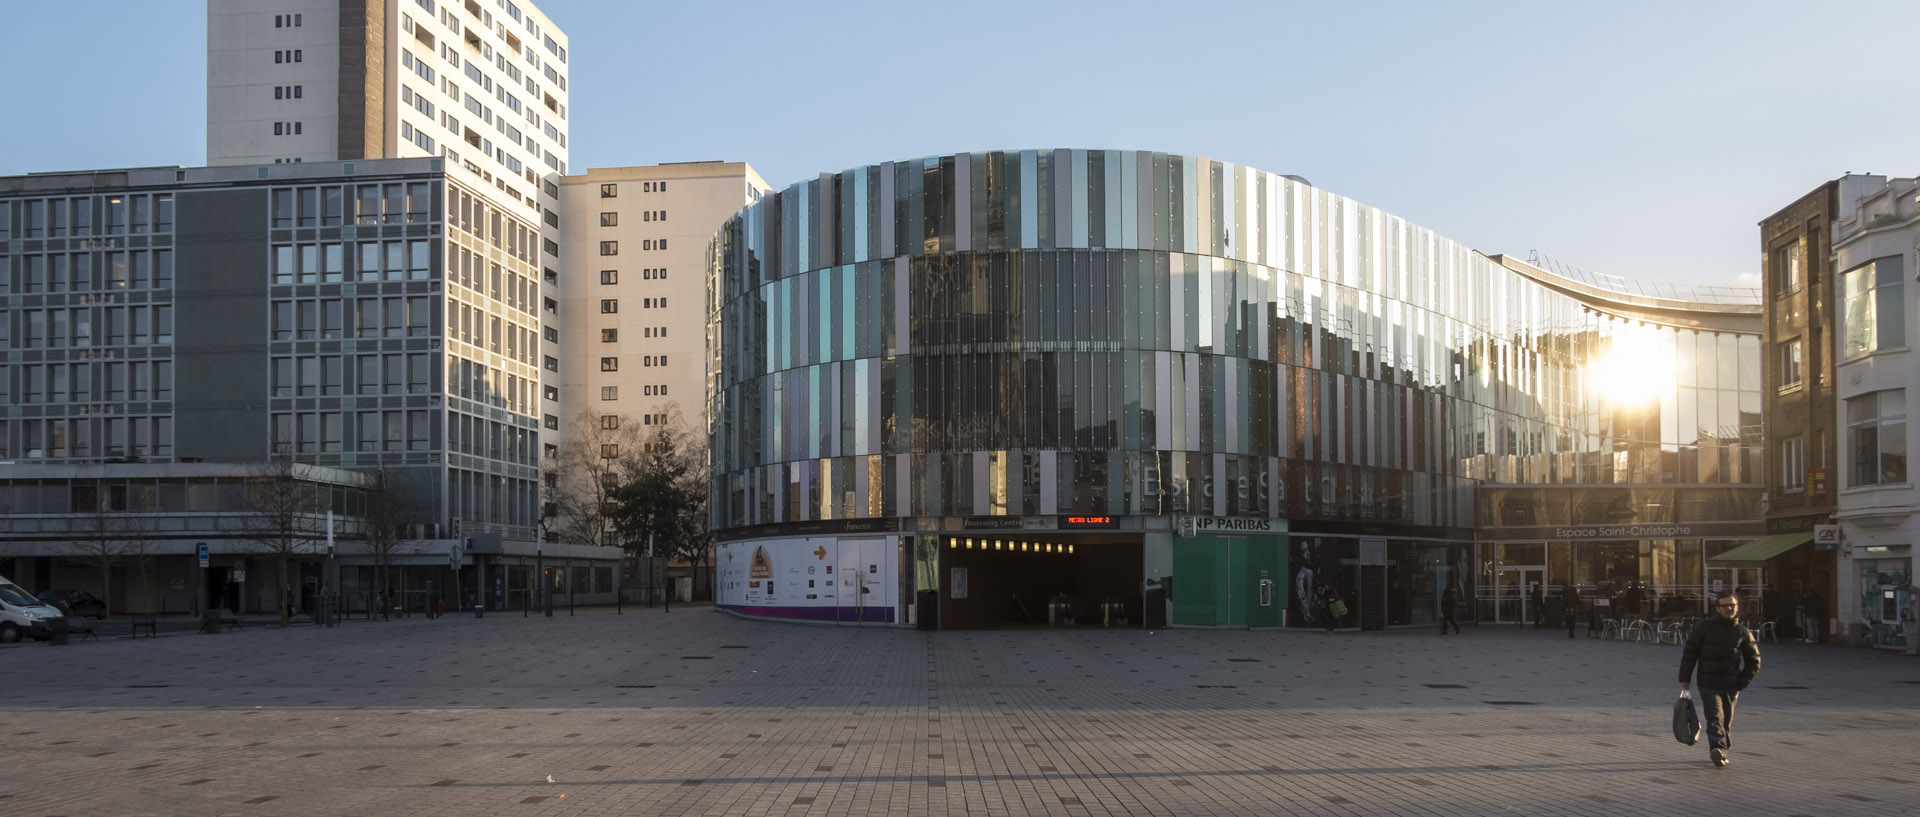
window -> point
(609, 306)
(610, 450)
(551, 393)
(552, 363)
(609, 276)
(609, 219)
(609, 364)
(609, 392)
(1787, 272)
(1870, 307)
(1877, 423)
(553, 249)
(609, 248)
(1792, 365)
(608, 191)
(609, 336)
(1793, 465)
(610, 421)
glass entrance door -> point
(1513, 593)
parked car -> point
(21, 615)
(74, 602)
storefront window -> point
(1884, 601)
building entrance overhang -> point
(1757, 552)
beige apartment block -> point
(481, 83)
(633, 288)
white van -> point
(21, 613)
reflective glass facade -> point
(1142, 334)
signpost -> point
(200, 580)
(455, 555)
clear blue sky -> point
(1641, 139)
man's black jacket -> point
(1725, 652)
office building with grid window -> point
(373, 316)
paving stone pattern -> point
(695, 712)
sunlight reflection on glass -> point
(1633, 370)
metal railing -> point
(1666, 290)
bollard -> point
(56, 631)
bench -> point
(143, 621)
(214, 621)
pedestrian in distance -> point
(1570, 608)
(1813, 609)
(1325, 595)
(1727, 657)
(1448, 601)
(1539, 604)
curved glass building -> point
(1129, 387)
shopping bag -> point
(1686, 721)
(1337, 608)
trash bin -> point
(928, 614)
(56, 631)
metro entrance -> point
(991, 581)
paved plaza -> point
(694, 712)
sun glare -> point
(1634, 369)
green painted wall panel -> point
(1198, 573)
(1217, 581)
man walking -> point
(1447, 601)
(1727, 658)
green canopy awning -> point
(1758, 551)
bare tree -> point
(100, 538)
(390, 510)
(140, 548)
(281, 510)
(599, 454)
(666, 502)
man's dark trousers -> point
(1718, 704)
